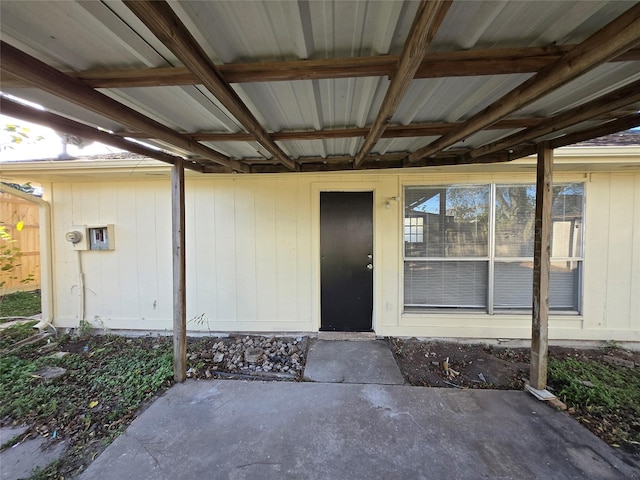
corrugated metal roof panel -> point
(491, 24)
(452, 99)
(72, 35)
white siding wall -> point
(253, 256)
(612, 269)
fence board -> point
(12, 211)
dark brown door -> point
(346, 258)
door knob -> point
(370, 266)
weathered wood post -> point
(541, 267)
(179, 270)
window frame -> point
(491, 257)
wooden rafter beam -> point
(160, 18)
(622, 97)
(65, 125)
(609, 42)
(392, 131)
(621, 124)
(40, 75)
(614, 126)
(434, 65)
(449, 158)
(428, 19)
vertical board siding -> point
(125, 232)
(266, 245)
(224, 264)
(596, 252)
(391, 262)
(65, 274)
(200, 231)
(286, 258)
(193, 230)
(612, 261)
(621, 220)
(634, 303)
(245, 251)
(129, 282)
(110, 272)
(152, 304)
(305, 281)
(250, 258)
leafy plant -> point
(85, 328)
(13, 134)
(9, 255)
(20, 304)
(25, 187)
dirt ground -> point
(477, 366)
(481, 366)
(424, 363)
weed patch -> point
(20, 304)
(105, 384)
(13, 334)
(602, 397)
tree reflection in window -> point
(454, 219)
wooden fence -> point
(12, 211)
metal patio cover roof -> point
(268, 86)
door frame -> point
(378, 204)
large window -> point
(471, 246)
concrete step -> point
(343, 361)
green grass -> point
(602, 396)
(20, 304)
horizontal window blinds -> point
(446, 283)
(513, 285)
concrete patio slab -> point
(286, 430)
(351, 362)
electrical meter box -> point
(92, 237)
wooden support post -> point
(541, 267)
(179, 270)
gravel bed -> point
(280, 358)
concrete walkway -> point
(351, 362)
(283, 430)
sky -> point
(49, 147)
